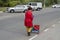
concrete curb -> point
(1, 11)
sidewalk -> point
(52, 33)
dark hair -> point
(29, 8)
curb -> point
(1, 11)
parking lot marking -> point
(46, 30)
(33, 37)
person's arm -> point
(31, 16)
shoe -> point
(28, 33)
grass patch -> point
(3, 9)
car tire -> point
(55, 7)
(24, 11)
(12, 11)
(38, 9)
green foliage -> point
(48, 2)
(15, 2)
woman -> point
(29, 20)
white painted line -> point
(53, 25)
(46, 30)
(33, 37)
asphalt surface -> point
(51, 33)
(12, 25)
